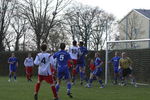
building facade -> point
(135, 25)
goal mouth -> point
(138, 50)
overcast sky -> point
(119, 8)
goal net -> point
(139, 52)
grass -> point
(23, 90)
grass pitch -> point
(23, 90)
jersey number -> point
(74, 51)
(61, 57)
(43, 60)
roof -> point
(145, 12)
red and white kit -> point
(28, 63)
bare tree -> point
(6, 10)
(81, 18)
(8, 40)
(19, 25)
(88, 24)
(58, 35)
(41, 15)
(102, 29)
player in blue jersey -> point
(97, 72)
(13, 64)
(115, 62)
(62, 57)
(81, 61)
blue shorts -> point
(116, 71)
(97, 72)
(12, 68)
(81, 63)
(63, 71)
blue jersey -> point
(62, 57)
(13, 60)
(82, 52)
(98, 70)
(62, 61)
(97, 62)
(115, 61)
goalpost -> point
(124, 45)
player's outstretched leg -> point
(10, 75)
(37, 87)
(57, 87)
(101, 83)
(69, 89)
(54, 92)
(133, 80)
(15, 77)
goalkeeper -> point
(125, 64)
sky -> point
(119, 8)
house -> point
(135, 25)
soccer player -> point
(125, 64)
(13, 64)
(73, 51)
(115, 61)
(43, 61)
(28, 63)
(82, 51)
(97, 72)
(62, 57)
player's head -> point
(80, 43)
(43, 47)
(13, 55)
(91, 61)
(97, 54)
(124, 55)
(74, 43)
(116, 53)
(62, 46)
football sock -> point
(101, 83)
(57, 87)
(68, 87)
(54, 91)
(81, 76)
(15, 76)
(37, 87)
(90, 82)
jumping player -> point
(13, 64)
(73, 51)
(82, 51)
(43, 61)
(97, 72)
(62, 57)
(28, 63)
(115, 61)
